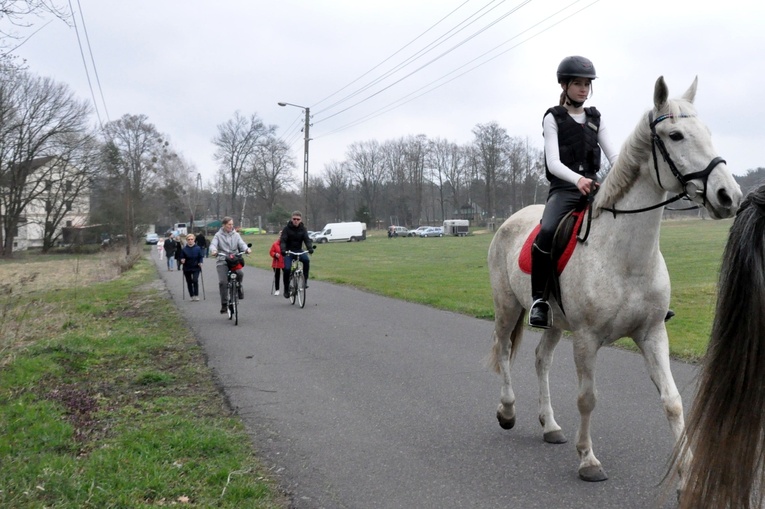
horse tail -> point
(722, 446)
(515, 342)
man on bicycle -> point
(226, 242)
(293, 236)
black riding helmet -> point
(575, 67)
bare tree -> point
(445, 164)
(68, 189)
(237, 142)
(338, 179)
(39, 120)
(367, 170)
(491, 142)
(136, 154)
(272, 170)
(15, 14)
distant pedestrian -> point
(178, 247)
(202, 243)
(169, 247)
(277, 263)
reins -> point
(656, 141)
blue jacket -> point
(194, 258)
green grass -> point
(451, 273)
(114, 408)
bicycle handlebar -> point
(297, 254)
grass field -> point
(451, 273)
(106, 398)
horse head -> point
(683, 157)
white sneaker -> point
(276, 293)
(195, 299)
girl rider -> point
(574, 136)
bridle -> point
(657, 142)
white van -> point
(342, 232)
(180, 229)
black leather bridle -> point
(657, 142)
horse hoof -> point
(504, 422)
(593, 473)
(555, 437)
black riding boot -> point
(541, 266)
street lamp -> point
(305, 152)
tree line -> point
(135, 179)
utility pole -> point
(305, 161)
(307, 138)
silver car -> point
(433, 231)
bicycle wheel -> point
(293, 288)
(300, 289)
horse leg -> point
(585, 356)
(544, 357)
(655, 350)
(508, 330)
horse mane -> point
(723, 442)
(634, 151)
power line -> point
(395, 53)
(92, 60)
(403, 100)
(423, 51)
(470, 37)
(85, 65)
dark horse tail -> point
(722, 450)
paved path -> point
(360, 401)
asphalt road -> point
(361, 401)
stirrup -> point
(548, 314)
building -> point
(59, 195)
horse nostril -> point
(724, 199)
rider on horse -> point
(574, 137)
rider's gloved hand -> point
(310, 251)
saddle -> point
(564, 242)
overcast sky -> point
(381, 70)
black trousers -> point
(558, 205)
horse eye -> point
(676, 136)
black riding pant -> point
(559, 203)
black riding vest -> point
(577, 143)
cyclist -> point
(293, 236)
(225, 242)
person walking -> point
(169, 247)
(277, 263)
(192, 258)
(201, 241)
(574, 137)
(178, 248)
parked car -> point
(433, 231)
(399, 231)
(417, 231)
(152, 238)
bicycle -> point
(234, 262)
(296, 285)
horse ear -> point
(690, 94)
(660, 94)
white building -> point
(58, 184)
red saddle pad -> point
(524, 260)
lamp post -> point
(305, 152)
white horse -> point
(616, 283)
